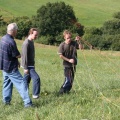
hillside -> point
(89, 12)
(95, 94)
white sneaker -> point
(35, 96)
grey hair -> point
(11, 27)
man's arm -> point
(19, 56)
(24, 62)
(66, 59)
(24, 57)
(78, 40)
(15, 51)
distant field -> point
(95, 94)
(89, 12)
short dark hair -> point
(31, 30)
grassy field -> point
(95, 94)
(89, 12)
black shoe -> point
(61, 91)
(7, 103)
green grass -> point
(89, 12)
(95, 93)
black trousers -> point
(69, 78)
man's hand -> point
(19, 56)
(66, 59)
(71, 60)
(77, 38)
(26, 71)
(18, 64)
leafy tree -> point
(53, 18)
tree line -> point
(106, 37)
(51, 19)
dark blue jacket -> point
(8, 53)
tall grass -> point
(95, 93)
(89, 12)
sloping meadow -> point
(95, 93)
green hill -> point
(95, 94)
(89, 12)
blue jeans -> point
(16, 79)
(36, 80)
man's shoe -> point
(29, 105)
(7, 103)
(61, 92)
(35, 96)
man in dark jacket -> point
(9, 55)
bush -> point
(107, 37)
(116, 42)
(117, 15)
(111, 27)
(47, 40)
(93, 31)
(2, 26)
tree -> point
(53, 18)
